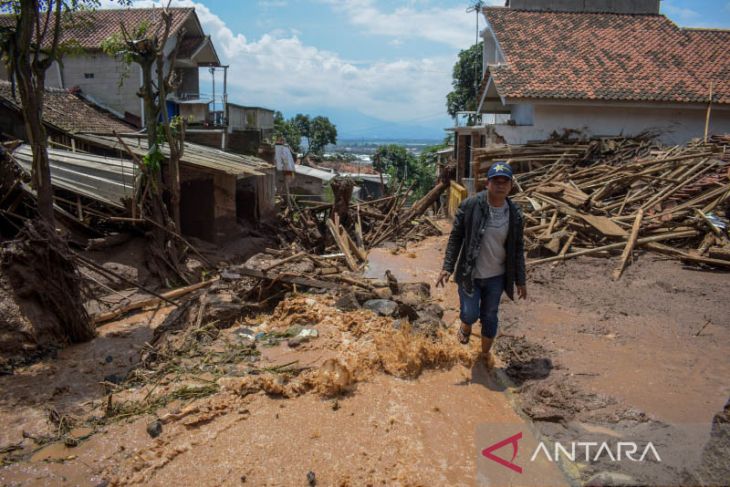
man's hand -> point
(522, 292)
(443, 279)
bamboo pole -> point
(629, 245)
(641, 241)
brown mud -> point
(367, 400)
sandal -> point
(464, 336)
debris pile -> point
(354, 228)
(222, 339)
(616, 195)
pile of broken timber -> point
(587, 200)
(358, 227)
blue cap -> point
(500, 168)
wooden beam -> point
(629, 245)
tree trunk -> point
(30, 76)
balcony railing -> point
(474, 119)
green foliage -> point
(288, 130)
(467, 75)
(318, 131)
(402, 165)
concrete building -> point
(594, 68)
(111, 83)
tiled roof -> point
(69, 112)
(90, 28)
(601, 56)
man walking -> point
(486, 248)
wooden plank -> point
(342, 245)
(719, 253)
(629, 245)
(287, 278)
(175, 293)
(641, 241)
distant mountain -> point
(354, 125)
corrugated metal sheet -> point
(195, 155)
(313, 172)
(103, 179)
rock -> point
(407, 311)
(311, 479)
(347, 302)
(610, 479)
(310, 302)
(295, 342)
(109, 359)
(362, 295)
(154, 429)
(411, 299)
(383, 307)
(382, 293)
(420, 289)
(433, 309)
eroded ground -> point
(364, 403)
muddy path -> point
(637, 354)
(365, 401)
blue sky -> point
(376, 67)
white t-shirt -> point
(492, 253)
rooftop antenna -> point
(476, 7)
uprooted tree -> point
(144, 45)
(39, 259)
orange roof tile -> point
(602, 56)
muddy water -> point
(636, 340)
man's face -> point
(500, 185)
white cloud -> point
(450, 26)
(281, 72)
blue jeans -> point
(482, 304)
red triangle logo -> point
(514, 441)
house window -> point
(89, 75)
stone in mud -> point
(407, 311)
(432, 309)
(311, 479)
(420, 289)
(383, 307)
(362, 295)
(347, 302)
(382, 293)
(154, 429)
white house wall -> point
(676, 125)
(105, 85)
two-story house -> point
(113, 85)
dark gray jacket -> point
(465, 241)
